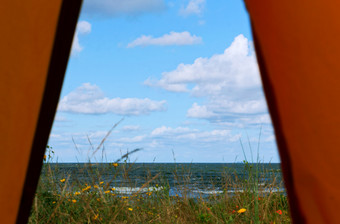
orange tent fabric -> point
(297, 44)
(36, 37)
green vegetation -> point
(62, 198)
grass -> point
(62, 198)
(65, 197)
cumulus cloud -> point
(173, 87)
(229, 81)
(186, 134)
(83, 27)
(113, 8)
(168, 130)
(218, 106)
(173, 38)
(235, 69)
(193, 7)
(89, 99)
(197, 111)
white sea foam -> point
(133, 190)
(212, 192)
(208, 191)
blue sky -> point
(182, 74)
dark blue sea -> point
(191, 179)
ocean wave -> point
(208, 191)
(133, 190)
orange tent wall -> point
(298, 49)
(32, 69)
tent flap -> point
(36, 38)
(298, 52)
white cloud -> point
(258, 119)
(168, 130)
(173, 38)
(201, 22)
(193, 7)
(185, 134)
(131, 128)
(95, 135)
(76, 48)
(138, 138)
(83, 27)
(217, 106)
(55, 136)
(232, 113)
(113, 8)
(205, 135)
(236, 68)
(186, 142)
(89, 99)
(60, 118)
(229, 81)
(167, 86)
(197, 111)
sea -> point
(180, 179)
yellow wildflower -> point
(241, 210)
(74, 200)
(106, 192)
(130, 209)
(62, 180)
(98, 199)
(53, 202)
(96, 186)
(113, 189)
(125, 197)
(86, 188)
(45, 157)
(77, 193)
(115, 164)
(100, 183)
(96, 217)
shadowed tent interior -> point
(298, 53)
(36, 38)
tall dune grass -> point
(65, 198)
(60, 200)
